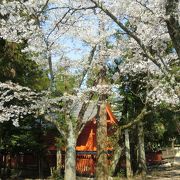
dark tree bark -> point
(141, 151)
(173, 23)
(117, 151)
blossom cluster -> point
(17, 102)
(164, 94)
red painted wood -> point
(87, 139)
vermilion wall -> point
(87, 139)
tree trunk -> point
(141, 151)
(102, 166)
(70, 161)
(40, 165)
(172, 9)
(115, 160)
(4, 163)
(52, 85)
(117, 152)
(58, 161)
(128, 156)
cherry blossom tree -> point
(148, 34)
(146, 31)
(155, 55)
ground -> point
(172, 173)
(156, 173)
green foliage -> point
(56, 175)
(170, 47)
(26, 137)
(159, 128)
(19, 68)
(92, 76)
(120, 174)
(65, 82)
(60, 142)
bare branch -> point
(57, 24)
(90, 59)
(45, 5)
(144, 5)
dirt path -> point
(172, 173)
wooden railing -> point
(85, 162)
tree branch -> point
(144, 5)
(147, 53)
(51, 120)
(124, 28)
(90, 59)
(57, 24)
(139, 118)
